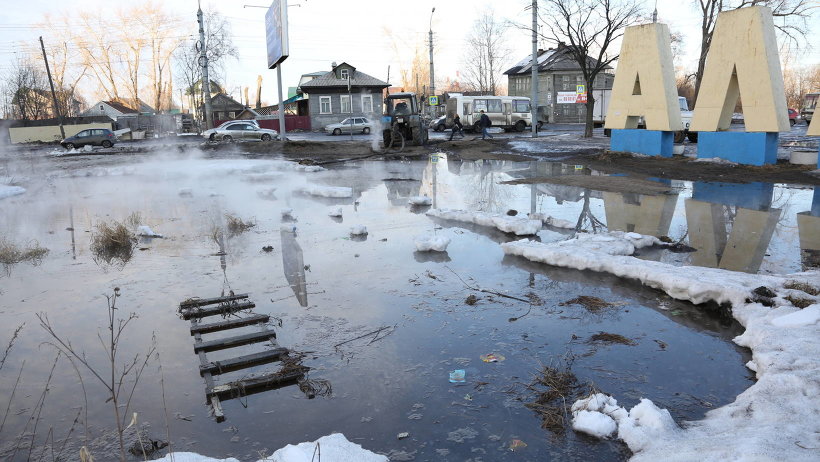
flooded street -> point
(382, 323)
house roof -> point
(554, 59)
(358, 79)
(222, 102)
(120, 107)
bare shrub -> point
(236, 225)
(12, 254)
(113, 242)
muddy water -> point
(682, 359)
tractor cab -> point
(402, 119)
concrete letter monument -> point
(814, 130)
(644, 86)
(743, 61)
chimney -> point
(333, 65)
(258, 92)
(246, 98)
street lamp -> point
(432, 73)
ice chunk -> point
(191, 457)
(594, 423)
(429, 242)
(337, 212)
(8, 191)
(287, 213)
(326, 191)
(805, 317)
(552, 221)
(335, 448)
(517, 225)
(420, 200)
(146, 231)
(358, 230)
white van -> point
(507, 112)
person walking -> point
(484, 123)
(457, 128)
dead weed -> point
(112, 242)
(799, 302)
(236, 225)
(555, 388)
(11, 254)
(606, 337)
(592, 304)
(802, 286)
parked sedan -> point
(240, 131)
(92, 137)
(439, 124)
(351, 125)
(793, 115)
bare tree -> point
(590, 27)
(485, 54)
(793, 27)
(26, 87)
(799, 81)
(161, 38)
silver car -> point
(351, 125)
(240, 130)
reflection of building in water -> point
(808, 225)
(731, 225)
(640, 213)
(294, 265)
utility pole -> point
(203, 61)
(534, 70)
(432, 72)
(53, 93)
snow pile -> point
(335, 448)
(337, 212)
(287, 166)
(420, 200)
(552, 221)
(8, 191)
(191, 457)
(358, 230)
(518, 225)
(430, 242)
(326, 191)
(265, 192)
(774, 419)
(715, 160)
(146, 231)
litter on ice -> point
(334, 448)
(337, 212)
(430, 242)
(519, 226)
(552, 221)
(8, 191)
(420, 200)
(146, 231)
(326, 191)
(774, 419)
(358, 230)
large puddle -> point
(327, 288)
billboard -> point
(276, 32)
(568, 97)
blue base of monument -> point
(649, 142)
(741, 147)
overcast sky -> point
(324, 31)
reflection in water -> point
(294, 266)
(731, 225)
(808, 225)
(640, 213)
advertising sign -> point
(568, 97)
(276, 32)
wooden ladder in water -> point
(195, 310)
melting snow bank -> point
(334, 448)
(326, 191)
(420, 200)
(8, 191)
(518, 225)
(775, 419)
(552, 221)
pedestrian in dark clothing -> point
(484, 123)
(457, 127)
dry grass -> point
(471, 299)
(12, 254)
(606, 337)
(133, 221)
(554, 389)
(592, 304)
(803, 287)
(799, 302)
(112, 242)
(236, 225)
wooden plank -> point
(230, 342)
(214, 310)
(216, 406)
(229, 324)
(195, 302)
(253, 385)
(241, 362)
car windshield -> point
(347, 121)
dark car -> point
(793, 115)
(93, 137)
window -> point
(97, 132)
(345, 103)
(236, 127)
(522, 106)
(367, 103)
(345, 73)
(480, 105)
(83, 133)
(324, 105)
(101, 107)
(232, 115)
(493, 105)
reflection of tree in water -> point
(586, 220)
(484, 193)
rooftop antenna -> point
(655, 13)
